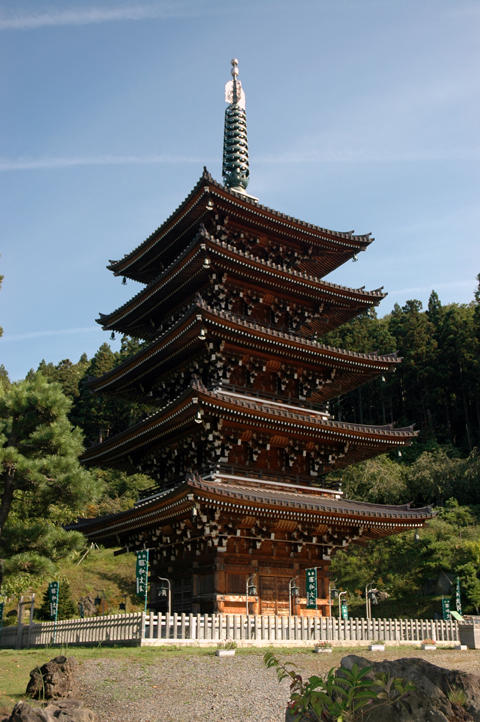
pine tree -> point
(95, 413)
(66, 605)
(42, 485)
(101, 415)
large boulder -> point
(53, 679)
(64, 711)
(440, 695)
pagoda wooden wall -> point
(216, 581)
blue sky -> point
(362, 114)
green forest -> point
(47, 419)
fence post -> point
(30, 621)
(18, 644)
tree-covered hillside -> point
(437, 388)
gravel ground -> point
(235, 689)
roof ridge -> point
(207, 179)
(346, 235)
(346, 425)
(372, 356)
(200, 233)
(194, 391)
(300, 274)
(204, 178)
(199, 304)
(329, 287)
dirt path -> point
(184, 688)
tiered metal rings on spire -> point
(235, 168)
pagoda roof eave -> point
(181, 335)
(135, 263)
(372, 520)
(188, 409)
(206, 252)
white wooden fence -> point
(113, 629)
(208, 629)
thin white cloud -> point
(42, 334)
(431, 287)
(88, 16)
(52, 162)
(289, 158)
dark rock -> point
(89, 607)
(430, 698)
(53, 679)
(65, 711)
(23, 712)
(70, 710)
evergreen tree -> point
(66, 605)
(95, 413)
(369, 403)
(66, 373)
(434, 311)
(415, 338)
(4, 380)
(102, 415)
(129, 347)
(460, 363)
(42, 485)
(120, 490)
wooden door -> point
(273, 595)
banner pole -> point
(146, 582)
(56, 614)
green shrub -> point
(339, 697)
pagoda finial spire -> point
(235, 168)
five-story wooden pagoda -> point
(233, 308)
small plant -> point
(322, 647)
(227, 644)
(456, 695)
(339, 697)
(429, 644)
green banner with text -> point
(142, 572)
(311, 588)
(53, 591)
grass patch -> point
(98, 574)
(16, 664)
